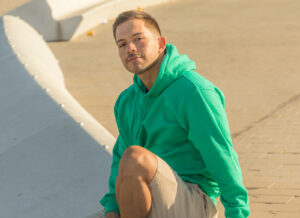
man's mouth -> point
(132, 58)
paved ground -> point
(251, 50)
(269, 155)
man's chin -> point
(136, 70)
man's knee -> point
(136, 162)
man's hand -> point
(112, 215)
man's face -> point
(138, 45)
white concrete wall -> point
(66, 19)
(66, 8)
(55, 157)
(106, 11)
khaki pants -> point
(174, 198)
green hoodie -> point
(182, 120)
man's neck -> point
(149, 76)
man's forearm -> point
(112, 215)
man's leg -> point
(136, 170)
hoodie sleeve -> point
(109, 201)
(207, 126)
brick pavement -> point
(269, 154)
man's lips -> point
(132, 58)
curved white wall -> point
(55, 157)
(67, 8)
(66, 19)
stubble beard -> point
(147, 68)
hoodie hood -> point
(172, 67)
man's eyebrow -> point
(131, 36)
(137, 34)
(120, 40)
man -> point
(174, 153)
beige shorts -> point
(174, 198)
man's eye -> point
(139, 38)
(122, 45)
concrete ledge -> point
(55, 157)
(106, 11)
(66, 19)
(38, 14)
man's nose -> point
(131, 47)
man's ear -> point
(161, 44)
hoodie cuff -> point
(110, 204)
